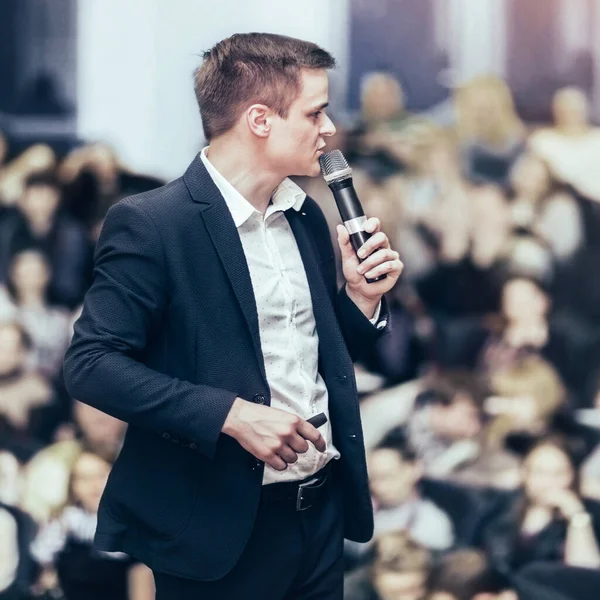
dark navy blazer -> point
(167, 339)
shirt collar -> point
(286, 195)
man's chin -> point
(315, 169)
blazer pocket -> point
(156, 485)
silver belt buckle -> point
(299, 497)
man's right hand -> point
(274, 436)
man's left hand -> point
(381, 259)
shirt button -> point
(259, 399)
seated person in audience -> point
(546, 519)
(40, 223)
(445, 426)
(65, 544)
(48, 327)
(29, 414)
(45, 481)
(542, 207)
(16, 567)
(35, 160)
(529, 327)
(399, 569)
(94, 430)
(394, 476)
(467, 575)
(102, 160)
(490, 133)
(525, 396)
(572, 146)
(473, 237)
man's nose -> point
(328, 128)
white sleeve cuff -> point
(375, 318)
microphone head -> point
(334, 166)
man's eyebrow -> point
(320, 107)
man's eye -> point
(316, 114)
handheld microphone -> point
(338, 175)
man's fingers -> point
(287, 454)
(346, 250)
(373, 225)
(298, 444)
(308, 432)
(275, 461)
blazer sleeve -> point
(122, 307)
(359, 332)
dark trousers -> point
(291, 555)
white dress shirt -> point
(288, 334)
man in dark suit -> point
(214, 327)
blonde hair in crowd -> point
(492, 94)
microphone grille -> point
(334, 166)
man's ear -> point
(258, 117)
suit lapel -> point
(227, 243)
(323, 310)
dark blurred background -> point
(472, 130)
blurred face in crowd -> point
(103, 161)
(484, 105)
(523, 300)
(530, 177)
(382, 97)
(88, 480)
(392, 480)
(392, 585)
(30, 273)
(545, 470)
(490, 209)
(12, 351)
(570, 108)
(39, 203)
(101, 431)
(295, 143)
(458, 421)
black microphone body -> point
(351, 212)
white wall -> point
(136, 59)
(477, 43)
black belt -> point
(299, 495)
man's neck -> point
(244, 172)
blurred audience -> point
(481, 408)
(491, 135)
(63, 547)
(399, 569)
(571, 146)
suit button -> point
(193, 446)
(165, 435)
(259, 399)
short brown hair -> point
(252, 68)
(396, 551)
(466, 573)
